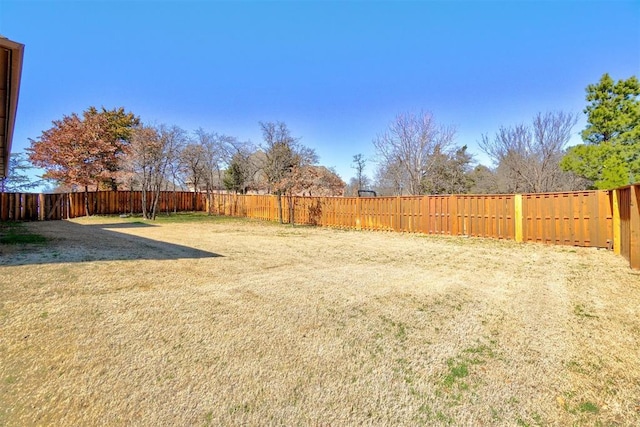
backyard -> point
(197, 320)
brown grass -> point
(117, 323)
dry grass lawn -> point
(212, 321)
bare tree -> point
(359, 163)
(174, 180)
(527, 157)
(192, 168)
(257, 177)
(390, 179)
(217, 151)
(152, 150)
(284, 159)
(192, 159)
(409, 145)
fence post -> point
(398, 214)
(517, 200)
(358, 213)
(616, 222)
(634, 227)
(40, 207)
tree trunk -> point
(291, 211)
(280, 207)
(155, 197)
(95, 200)
(144, 203)
(175, 199)
(154, 204)
(86, 200)
(167, 207)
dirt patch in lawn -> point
(229, 322)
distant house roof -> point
(11, 54)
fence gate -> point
(55, 206)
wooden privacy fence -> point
(44, 207)
(626, 223)
(581, 218)
(576, 219)
(602, 219)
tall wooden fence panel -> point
(627, 229)
(576, 219)
(634, 232)
(484, 216)
(412, 214)
(44, 207)
(375, 214)
(18, 207)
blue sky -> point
(336, 72)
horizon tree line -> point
(416, 155)
(111, 149)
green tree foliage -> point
(235, 177)
(610, 156)
(614, 112)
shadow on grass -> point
(135, 224)
(66, 241)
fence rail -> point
(602, 219)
